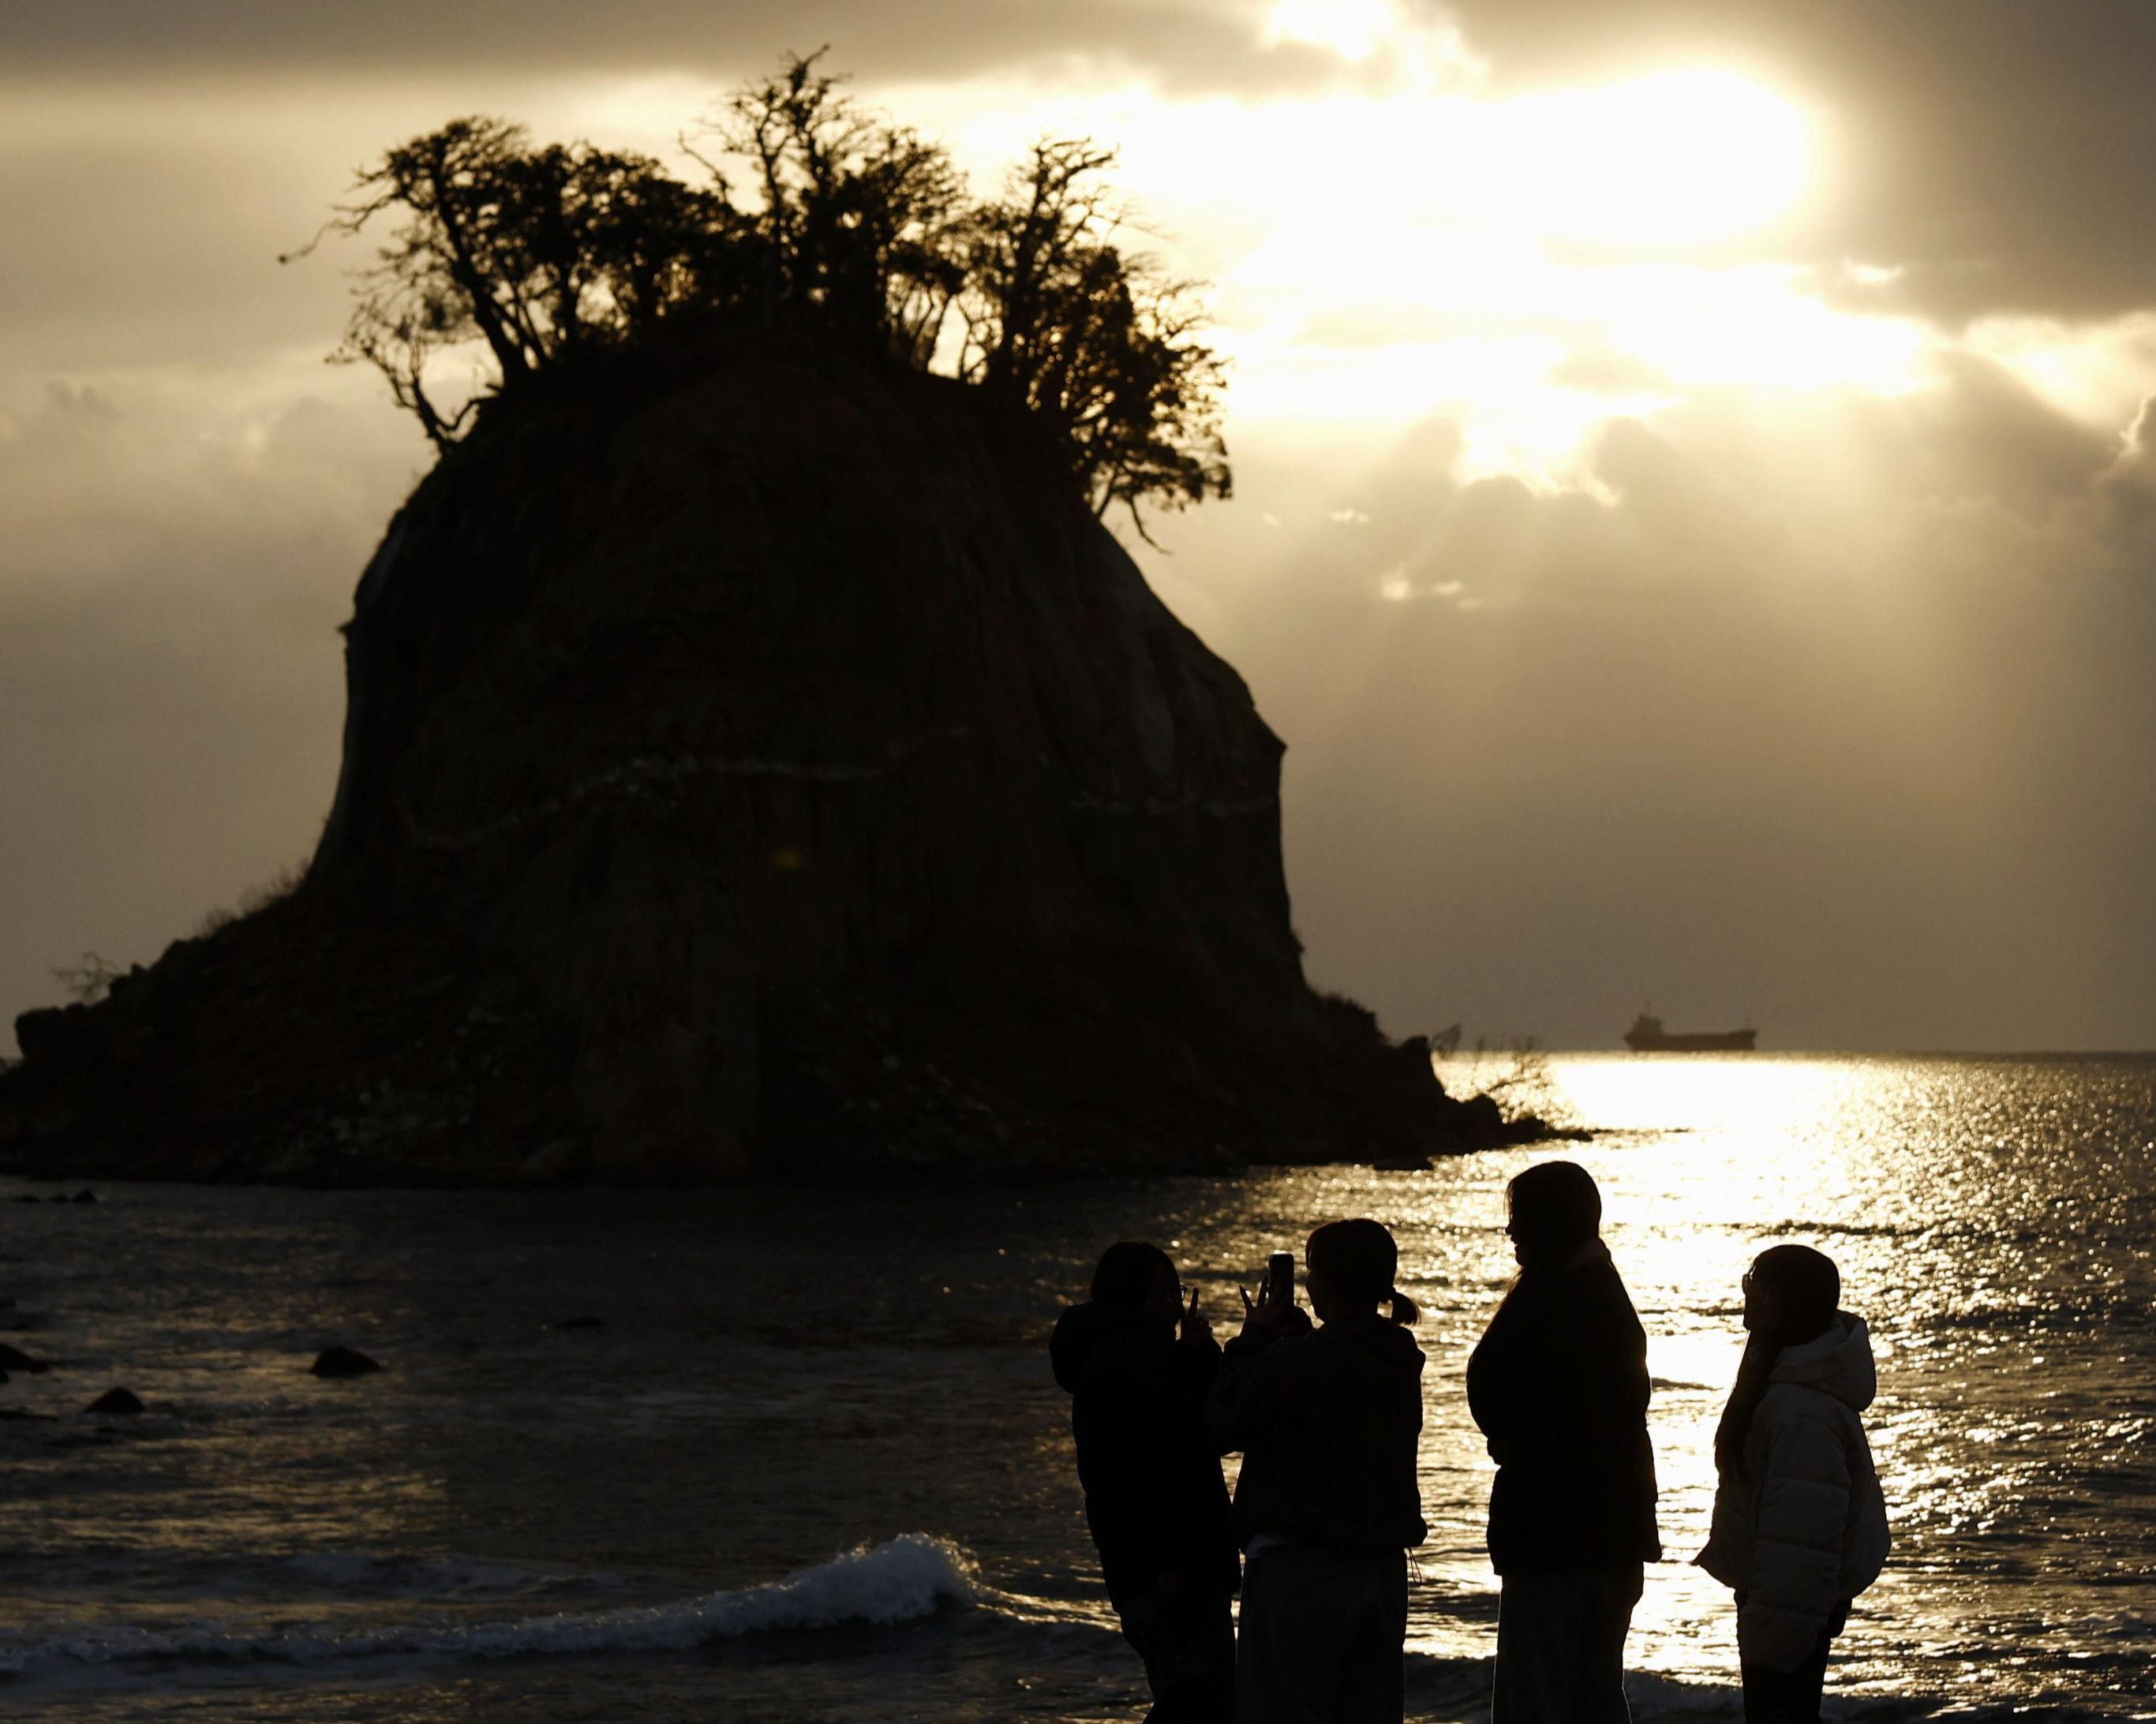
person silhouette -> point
(1138, 1363)
(1327, 1505)
(1558, 1386)
(1799, 1524)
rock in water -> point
(343, 1361)
(121, 1401)
(770, 767)
(13, 1358)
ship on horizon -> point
(1647, 1036)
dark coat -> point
(1155, 1501)
(1558, 1385)
(1328, 1422)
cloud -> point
(1181, 44)
(1980, 156)
(1810, 708)
(2126, 493)
(1977, 156)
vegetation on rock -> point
(816, 216)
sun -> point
(1682, 157)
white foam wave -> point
(901, 1580)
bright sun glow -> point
(1413, 245)
(1353, 29)
(1683, 156)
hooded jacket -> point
(1558, 1386)
(1328, 1422)
(1155, 1501)
(1803, 1528)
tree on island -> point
(852, 229)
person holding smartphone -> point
(1327, 1419)
(1138, 1363)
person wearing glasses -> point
(1138, 1363)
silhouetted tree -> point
(849, 225)
(533, 252)
(856, 216)
(1097, 341)
(89, 980)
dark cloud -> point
(1186, 43)
(1994, 151)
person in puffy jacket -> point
(1139, 1364)
(1558, 1386)
(1799, 1522)
(1327, 1505)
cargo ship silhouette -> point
(1647, 1036)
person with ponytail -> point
(1799, 1521)
(1559, 1387)
(1327, 1420)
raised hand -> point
(1193, 1321)
(1263, 1320)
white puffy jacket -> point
(1805, 1526)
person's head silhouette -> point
(1351, 1265)
(1134, 1278)
(1551, 1211)
(1790, 1295)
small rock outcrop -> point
(343, 1361)
(13, 1358)
(124, 1403)
(764, 770)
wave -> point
(901, 1580)
(906, 1579)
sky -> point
(1695, 513)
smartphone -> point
(1280, 1279)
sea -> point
(794, 1454)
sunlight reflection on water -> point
(1990, 1219)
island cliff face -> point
(769, 772)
